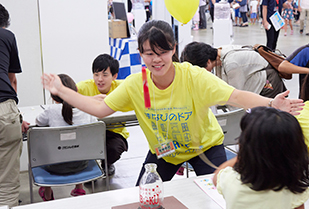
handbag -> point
(273, 59)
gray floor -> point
(128, 167)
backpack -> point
(272, 58)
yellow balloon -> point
(182, 10)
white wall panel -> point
(25, 26)
(73, 33)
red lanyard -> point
(277, 2)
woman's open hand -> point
(52, 83)
(289, 105)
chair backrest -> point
(49, 145)
(230, 124)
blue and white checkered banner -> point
(125, 50)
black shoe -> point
(301, 31)
(244, 25)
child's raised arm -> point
(87, 104)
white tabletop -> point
(185, 190)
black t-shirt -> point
(9, 63)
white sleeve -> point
(43, 118)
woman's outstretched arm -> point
(52, 83)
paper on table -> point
(209, 188)
(277, 21)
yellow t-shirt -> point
(180, 111)
(88, 88)
(303, 120)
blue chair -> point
(51, 145)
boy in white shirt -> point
(253, 10)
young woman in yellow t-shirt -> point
(179, 125)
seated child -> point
(63, 114)
(271, 169)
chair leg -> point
(106, 174)
(92, 186)
(30, 184)
(187, 169)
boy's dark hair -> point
(67, 111)
(198, 53)
(272, 152)
(304, 93)
(4, 17)
(104, 61)
(159, 34)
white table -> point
(185, 190)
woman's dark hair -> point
(272, 152)
(4, 17)
(67, 111)
(198, 53)
(159, 34)
(304, 93)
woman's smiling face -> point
(158, 62)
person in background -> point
(105, 71)
(288, 16)
(11, 124)
(269, 8)
(303, 8)
(296, 13)
(202, 9)
(244, 69)
(196, 20)
(63, 114)
(243, 11)
(180, 96)
(297, 62)
(271, 167)
(237, 13)
(147, 9)
(253, 11)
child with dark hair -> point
(179, 126)
(271, 168)
(63, 114)
(105, 71)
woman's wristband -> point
(270, 103)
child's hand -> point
(52, 83)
